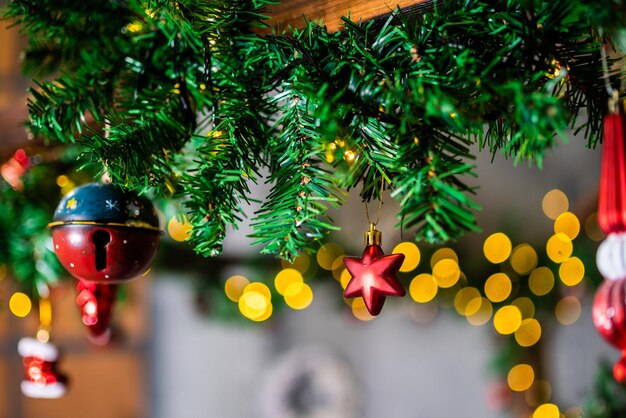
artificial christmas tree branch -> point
(320, 111)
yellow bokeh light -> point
(286, 277)
(520, 377)
(179, 228)
(524, 259)
(447, 273)
(359, 310)
(253, 304)
(568, 310)
(442, 254)
(338, 267)
(497, 248)
(547, 410)
(559, 247)
(423, 288)
(572, 271)
(62, 180)
(468, 297)
(265, 315)
(498, 287)
(541, 281)
(345, 278)
(507, 319)
(258, 287)
(327, 254)
(20, 304)
(592, 228)
(568, 224)
(528, 333)
(483, 313)
(298, 295)
(301, 263)
(234, 287)
(411, 255)
(526, 306)
(554, 203)
(540, 392)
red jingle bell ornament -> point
(104, 234)
(374, 274)
(609, 318)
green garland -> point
(313, 113)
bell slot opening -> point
(101, 239)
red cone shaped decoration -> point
(609, 317)
(96, 305)
(612, 197)
(609, 305)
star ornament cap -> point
(374, 274)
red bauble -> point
(96, 306)
(104, 234)
(105, 254)
(609, 318)
(374, 277)
(612, 196)
(41, 377)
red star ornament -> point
(374, 277)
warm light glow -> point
(442, 254)
(327, 254)
(524, 259)
(258, 287)
(498, 287)
(528, 333)
(338, 267)
(497, 248)
(411, 255)
(483, 314)
(298, 295)
(234, 287)
(554, 203)
(20, 304)
(520, 377)
(179, 228)
(507, 319)
(526, 306)
(559, 247)
(345, 278)
(541, 281)
(359, 310)
(568, 310)
(446, 272)
(254, 305)
(423, 288)
(349, 156)
(301, 263)
(572, 271)
(592, 228)
(568, 224)
(286, 277)
(467, 301)
(547, 410)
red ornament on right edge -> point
(609, 305)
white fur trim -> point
(30, 347)
(611, 257)
(34, 390)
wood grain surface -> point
(292, 12)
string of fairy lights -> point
(439, 283)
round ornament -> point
(104, 234)
(609, 318)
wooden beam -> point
(292, 12)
